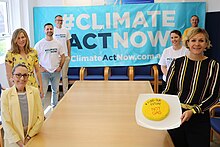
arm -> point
(9, 74)
(162, 62)
(186, 116)
(61, 63)
(38, 73)
(20, 143)
(171, 79)
(69, 47)
(212, 92)
(9, 63)
(37, 112)
(39, 78)
(164, 69)
(7, 119)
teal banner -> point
(119, 35)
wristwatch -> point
(28, 137)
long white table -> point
(99, 114)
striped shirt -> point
(196, 83)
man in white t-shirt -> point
(63, 35)
(51, 59)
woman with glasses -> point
(22, 53)
(21, 109)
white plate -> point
(170, 122)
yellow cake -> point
(155, 109)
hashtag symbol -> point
(68, 21)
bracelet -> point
(194, 112)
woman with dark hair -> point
(170, 53)
(21, 109)
(22, 53)
(195, 78)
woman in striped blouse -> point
(195, 78)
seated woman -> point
(22, 111)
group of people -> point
(22, 103)
(195, 78)
(188, 73)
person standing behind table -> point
(51, 57)
(63, 35)
(21, 52)
(195, 78)
(194, 23)
(21, 109)
(172, 52)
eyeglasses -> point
(25, 76)
(59, 20)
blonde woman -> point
(22, 53)
(195, 78)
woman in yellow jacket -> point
(22, 112)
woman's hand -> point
(26, 141)
(186, 116)
(41, 92)
(20, 143)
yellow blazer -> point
(11, 114)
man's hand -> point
(42, 69)
(58, 69)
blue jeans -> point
(54, 79)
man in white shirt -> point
(63, 35)
(51, 59)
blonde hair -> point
(14, 46)
(193, 32)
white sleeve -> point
(163, 58)
(68, 36)
(37, 48)
(61, 49)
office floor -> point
(47, 107)
(48, 110)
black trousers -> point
(194, 133)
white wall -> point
(213, 5)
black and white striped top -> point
(196, 83)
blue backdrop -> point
(119, 35)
